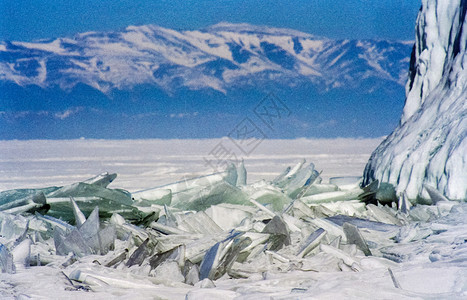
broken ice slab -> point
(164, 229)
(300, 210)
(140, 254)
(152, 196)
(386, 194)
(332, 229)
(198, 222)
(402, 252)
(280, 235)
(267, 195)
(87, 196)
(11, 196)
(311, 242)
(6, 260)
(241, 174)
(220, 257)
(229, 216)
(435, 195)
(318, 188)
(349, 208)
(200, 199)
(345, 182)
(198, 183)
(79, 216)
(376, 192)
(176, 254)
(293, 181)
(103, 179)
(105, 277)
(30, 204)
(354, 236)
(191, 273)
(85, 239)
(301, 179)
(54, 222)
(71, 242)
(256, 239)
(168, 271)
(404, 203)
(196, 245)
(369, 192)
(90, 228)
(281, 176)
(288, 174)
(333, 196)
(81, 189)
(346, 258)
(15, 228)
(381, 215)
(412, 232)
(362, 223)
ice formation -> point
(216, 236)
(429, 147)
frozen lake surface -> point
(142, 164)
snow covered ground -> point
(432, 252)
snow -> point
(204, 42)
(430, 144)
(54, 46)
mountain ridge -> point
(220, 57)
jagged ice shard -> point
(430, 146)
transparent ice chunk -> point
(35, 202)
(79, 216)
(87, 196)
(311, 242)
(199, 222)
(280, 235)
(140, 254)
(103, 179)
(220, 257)
(219, 192)
(354, 236)
(268, 195)
(153, 196)
(241, 174)
(6, 260)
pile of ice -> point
(215, 236)
(430, 144)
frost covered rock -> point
(429, 146)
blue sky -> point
(27, 20)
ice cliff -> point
(429, 146)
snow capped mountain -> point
(222, 57)
(429, 147)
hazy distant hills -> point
(223, 70)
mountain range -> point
(164, 83)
